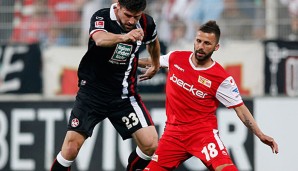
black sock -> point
(136, 163)
(58, 167)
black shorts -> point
(126, 114)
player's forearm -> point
(105, 39)
(251, 124)
(248, 120)
(154, 51)
(144, 62)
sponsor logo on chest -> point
(187, 86)
(121, 54)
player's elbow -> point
(99, 42)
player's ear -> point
(216, 47)
(118, 5)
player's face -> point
(204, 46)
(128, 19)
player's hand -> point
(134, 35)
(270, 142)
(150, 72)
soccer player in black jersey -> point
(108, 83)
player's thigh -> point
(130, 115)
(210, 149)
(170, 153)
(86, 113)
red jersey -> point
(193, 94)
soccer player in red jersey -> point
(196, 84)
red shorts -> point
(173, 149)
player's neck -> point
(202, 63)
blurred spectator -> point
(191, 12)
(254, 11)
(165, 13)
(234, 23)
(23, 11)
(68, 15)
(89, 8)
(202, 11)
(259, 30)
(178, 36)
(6, 20)
(155, 9)
(293, 13)
(33, 23)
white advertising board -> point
(278, 118)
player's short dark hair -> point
(133, 5)
(211, 27)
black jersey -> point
(113, 70)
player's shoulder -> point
(218, 66)
(220, 70)
(180, 53)
(146, 20)
(147, 17)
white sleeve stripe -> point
(219, 142)
(96, 30)
(150, 41)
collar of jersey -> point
(112, 13)
(199, 68)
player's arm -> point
(153, 49)
(107, 39)
(246, 117)
(163, 61)
(145, 62)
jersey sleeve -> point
(164, 59)
(228, 93)
(149, 28)
(98, 22)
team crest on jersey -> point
(75, 122)
(155, 157)
(232, 82)
(121, 53)
(204, 81)
(99, 24)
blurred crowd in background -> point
(66, 22)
